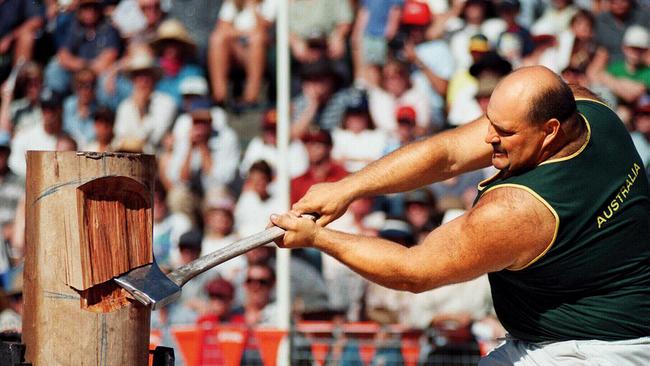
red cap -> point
(416, 13)
(321, 136)
(220, 287)
(406, 113)
(270, 119)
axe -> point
(150, 286)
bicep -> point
(508, 229)
(466, 146)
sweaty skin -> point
(508, 228)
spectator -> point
(92, 42)
(420, 213)
(357, 143)
(104, 120)
(462, 85)
(263, 147)
(396, 91)
(18, 26)
(43, 136)
(65, 142)
(221, 294)
(461, 42)
(12, 192)
(574, 48)
(256, 203)
(319, 19)
(556, 18)
(611, 26)
(319, 104)
(26, 111)
(629, 78)
(220, 231)
(175, 51)
(258, 308)
(168, 226)
(490, 65)
(12, 302)
(79, 108)
(199, 17)
(146, 115)
(240, 37)
(207, 155)
(433, 62)
(321, 166)
(138, 20)
(515, 33)
(641, 128)
(406, 129)
(376, 24)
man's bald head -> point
(544, 93)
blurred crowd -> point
(169, 77)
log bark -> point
(88, 219)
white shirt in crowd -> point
(258, 150)
(152, 126)
(356, 150)
(383, 107)
(224, 148)
(29, 138)
(252, 213)
(245, 20)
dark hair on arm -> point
(556, 101)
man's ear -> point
(551, 130)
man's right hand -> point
(329, 200)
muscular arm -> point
(486, 239)
(434, 159)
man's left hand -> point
(300, 231)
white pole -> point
(283, 88)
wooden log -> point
(89, 218)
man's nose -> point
(492, 137)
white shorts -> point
(514, 352)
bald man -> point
(563, 230)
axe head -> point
(150, 286)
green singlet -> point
(593, 279)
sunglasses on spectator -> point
(260, 281)
(222, 297)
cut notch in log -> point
(112, 212)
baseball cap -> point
(508, 5)
(416, 13)
(191, 240)
(406, 113)
(479, 43)
(636, 36)
(358, 105)
(493, 62)
(50, 98)
(5, 140)
(220, 288)
(421, 196)
(193, 85)
(270, 119)
(200, 108)
(317, 135)
(397, 230)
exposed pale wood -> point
(88, 218)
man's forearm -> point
(431, 160)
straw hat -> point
(142, 61)
(173, 30)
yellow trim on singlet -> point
(595, 101)
(580, 150)
(550, 208)
(481, 185)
